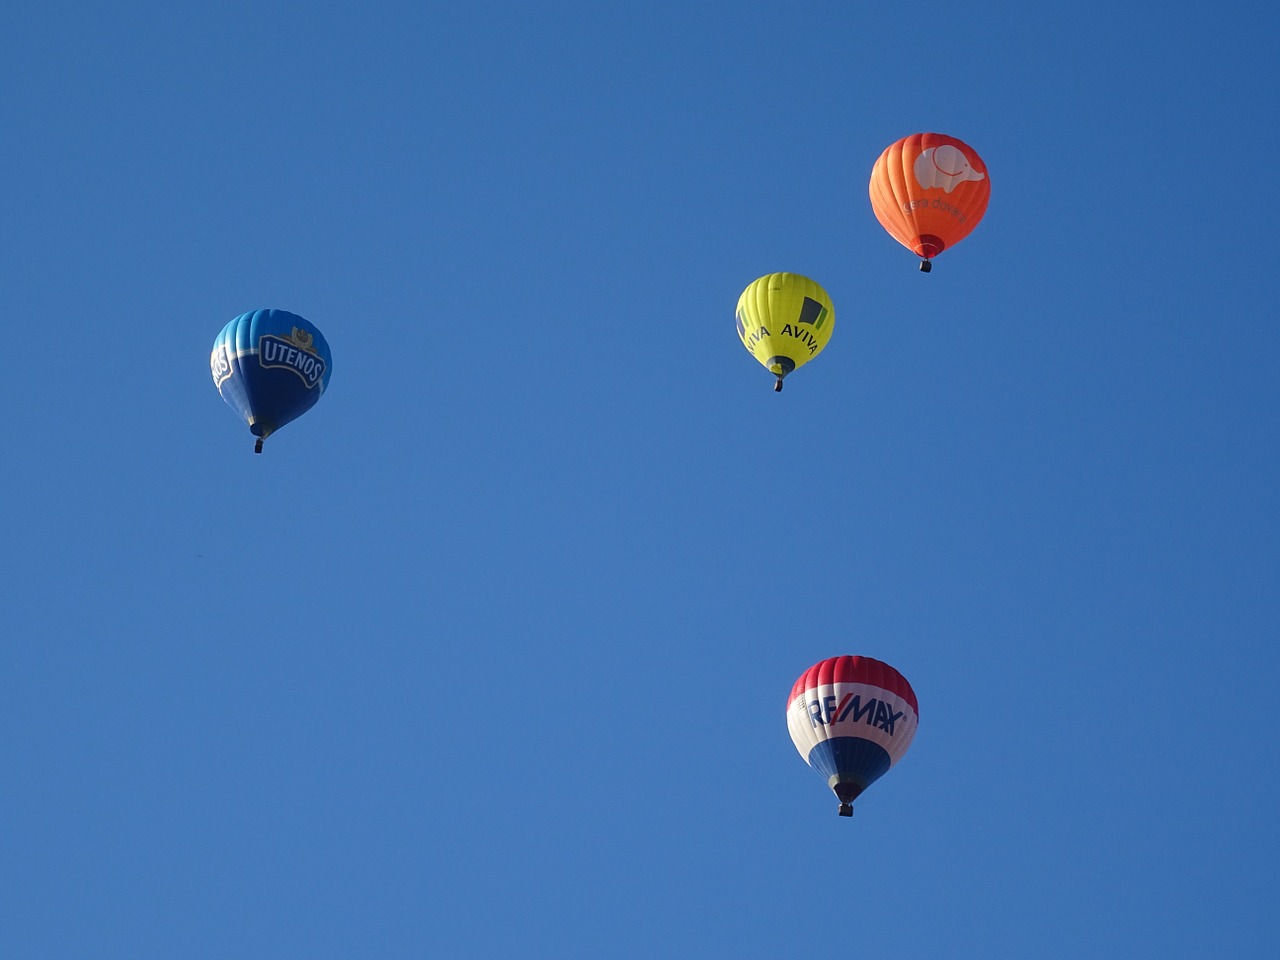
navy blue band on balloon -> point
(850, 758)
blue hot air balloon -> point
(271, 366)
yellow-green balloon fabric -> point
(784, 321)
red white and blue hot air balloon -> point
(852, 718)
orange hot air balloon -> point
(929, 191)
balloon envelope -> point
(929, 191)
(852, 718)
(784, 321)
(271, 366)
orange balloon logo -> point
(929, 191)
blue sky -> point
(488, 654)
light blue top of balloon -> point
(245, 332)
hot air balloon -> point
(784, 321)
(271, 366)
(929, 191)
(851, 718)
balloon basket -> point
(777, 387)
(257, 447)
(925, 266)
(846, 809)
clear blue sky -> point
(488, 654)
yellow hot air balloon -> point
(784, 321)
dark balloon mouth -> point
(848, 791)
(785, 365)
(929, 246)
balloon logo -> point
(852, 718)
(929, 191)
(271, 366)
(946, 167)
(784, 321)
